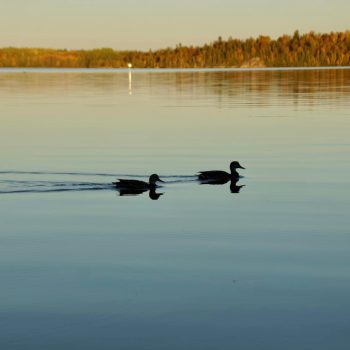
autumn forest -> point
(297, 50)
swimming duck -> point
(137, 184)
(221, 175)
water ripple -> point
(33, 185)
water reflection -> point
(234, 188)
(155, 195)
(130, 82)
(152, 193)
(226, 88)
(109, 263)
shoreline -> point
(164, 70)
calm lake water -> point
(82, 267)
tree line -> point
(297, 50)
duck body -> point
(138, 185)
(219, 175)
(216, 175)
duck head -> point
(153, 179)
(235, 165)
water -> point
(82, 267)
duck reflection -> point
(234, 188)
(154, 195)
(136, 192)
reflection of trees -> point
(259, 86)
(229, 87)
(309, 49)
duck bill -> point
(240, 167)
(159, 180)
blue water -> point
(82, 267)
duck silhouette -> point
(137, 185)
(219, 175)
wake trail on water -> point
(23, 186)
(19, 172)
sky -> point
(153, 24)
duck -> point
(219, 175)
(137, 185)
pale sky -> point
(144, 24)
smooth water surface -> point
(82, 267)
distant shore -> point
(20, 70)
(297, 50)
